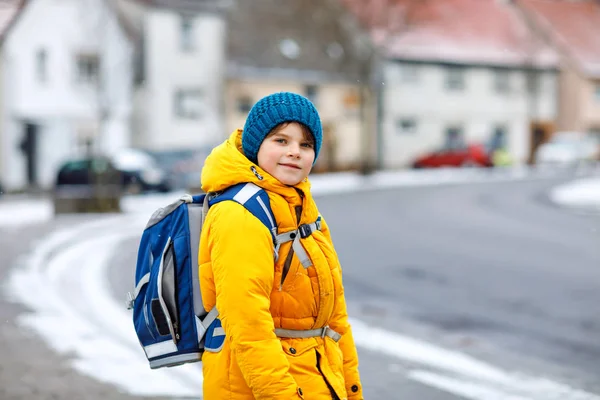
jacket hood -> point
(227, 165)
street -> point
(477, 291)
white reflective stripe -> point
(210, 317)
(249, 190)
(159, 349)
(301, 253)
(266, 210)
(218, 331)
(145, 279)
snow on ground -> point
(580, 194)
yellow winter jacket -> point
(238, 275)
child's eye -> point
(307, 145)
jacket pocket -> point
(297, 348)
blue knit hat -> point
(273, 110)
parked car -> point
(473, 155)
(568, 149)
(141, 172)
(136, 170)
(76, 177)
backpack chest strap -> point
(303, 231)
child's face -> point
(287, 154)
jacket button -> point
(292, 235)
(292, 350)
(354, 388)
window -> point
(88, 68)
(311, 92)
(406, 126)
(454, 138)
(188, 104)
(244, 104)
(41, 65)
(532, 80)
(499, 138)
(455, 78)
(409, 73)
(186, 34)
(501, 81)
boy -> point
(285, 322)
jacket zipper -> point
(334, 395)
(288, 259)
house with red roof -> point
(573, 29)
(456, 72)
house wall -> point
(338, 108)
(170, 69)
(478, 109)
(65, 109)
(591, 104)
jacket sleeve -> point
(339, 323)
(241, 251)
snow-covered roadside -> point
(23, 211)
(581, 194)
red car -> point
(474, 155)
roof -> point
(9, 11)
(574, 27)
(303, 39)
(131, 12)
(188, 5)
(490, 32)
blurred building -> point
(66, 83)
(303, 46)
(9, 11)
(180, 72)
(573, 29)
(85, 76)
(459, 71)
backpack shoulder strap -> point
(254, 199)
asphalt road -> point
(492, 271)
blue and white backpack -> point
(169, 318)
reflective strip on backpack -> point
(202, 325)
(160, 349)
(145, 279)
(249, 190)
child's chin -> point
(290, 181)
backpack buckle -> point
(129, 301)
(305, 231)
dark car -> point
(134, 172)
(473, 155)
(141, 172)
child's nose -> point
(294, 149)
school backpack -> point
(169, 319)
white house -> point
(9, 12)
(180, 72)
(427, 105)
(67, 83)
(459, 71)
